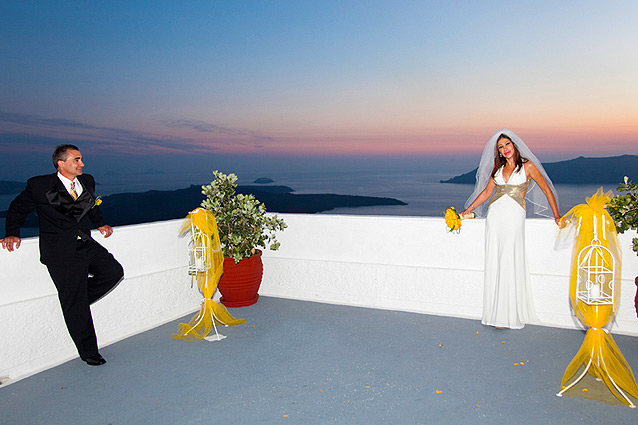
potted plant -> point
(243, 226)
(624, 210)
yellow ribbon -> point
(211, 313)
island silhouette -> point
(577, 171)
(158, 205)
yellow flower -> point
(452, 220)
(98, 201)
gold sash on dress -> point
(515, 191)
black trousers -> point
(92, 274)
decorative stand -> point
(594, 293)
(205, 265)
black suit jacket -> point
(62, 220)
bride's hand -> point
(466, 214)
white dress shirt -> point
(67, 184)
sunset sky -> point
(340, 78)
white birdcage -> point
(596, 266)
(199, 258)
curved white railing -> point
(388, 262)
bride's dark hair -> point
(534, 194)
(500, 161)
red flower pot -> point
(240, 282)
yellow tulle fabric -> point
(211, 313)
(599, 356)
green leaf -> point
(242, 220)
(624, 209)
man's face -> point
(72, 166)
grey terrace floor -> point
(297, 362)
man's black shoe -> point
(96, 360)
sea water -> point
(420, 189)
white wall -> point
(156, 289)
(413, 264)
(400, 263)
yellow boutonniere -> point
(97, 202)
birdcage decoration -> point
(199, 248)
(596, 267)
(205, 266)
(598, 371)
(596, 275)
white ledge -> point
(387, 262)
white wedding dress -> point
(507, 293)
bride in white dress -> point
(509, 174)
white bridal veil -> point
(534, 195)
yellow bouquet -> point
(452, 220)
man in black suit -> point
(82, 270)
